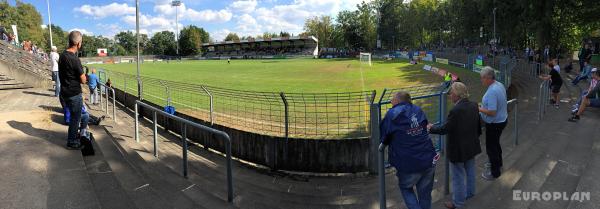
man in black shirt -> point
(556, 82)
(71, 77)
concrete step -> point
(142, 193)
(588, 182)
(572, 163)
(108, 190)
(173, 179)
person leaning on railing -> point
(494, 113)
(592, 99)
(411, 152)
(463, 128)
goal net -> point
(365, 58)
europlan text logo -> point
(519, 195)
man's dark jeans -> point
(74, 104)
(493, 131)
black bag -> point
(88, 147)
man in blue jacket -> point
(411, 151)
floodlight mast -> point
(176, 4)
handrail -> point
(186, 123)
(543, 98)
(516, 121)
(107, 97)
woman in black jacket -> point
(463, 128)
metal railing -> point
(543, 98)
(295, 115)
(114, 109)
(185, 123)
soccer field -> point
(288, 75)
(246, 93)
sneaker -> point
(487, 175)
(574, 111)
(575, 118)
(487, 165)
(74, 146)
(556, 106)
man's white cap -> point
(594, 69)
(53, 48)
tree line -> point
(427, 23)
(385, 24)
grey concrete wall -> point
(278, 153)
(27, 77)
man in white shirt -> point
(54, 58)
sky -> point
(218, 17)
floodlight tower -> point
(49, 23)
(137, 32)
(176, 4)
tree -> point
(59, 37)
(163, 43)
(191, 39)
(320, 27)
(232, 37)
(128, 41)
(91, 44)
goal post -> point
(365, 58)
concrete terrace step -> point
(108, 190)
(174, 180)
(142, 193)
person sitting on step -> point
(592, 99)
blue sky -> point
(218, 17)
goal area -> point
(365, 59)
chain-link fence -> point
(299, 115)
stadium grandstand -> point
(282, 47)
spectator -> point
(592, 99)
(93, 82)
(494, 113)
(584, 55)
(584, 74)
(593, 84)
(71, 77)
(54, 58)
(463, 128)
(555, 84)
(411, 151)
(569, 66)
(3, 33)
(108, 83)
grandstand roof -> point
(279, 39)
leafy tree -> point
(191, 39)
(163, 43)
(232, 37)
(128, 41)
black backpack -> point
(88, 145)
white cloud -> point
(99, 12)
(244, 6)
(208, 15)
(83, 31)
(219, 35)
(184, 13)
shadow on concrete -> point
(52, 108)
(38, 93)
(58, 119)
(28, 129)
